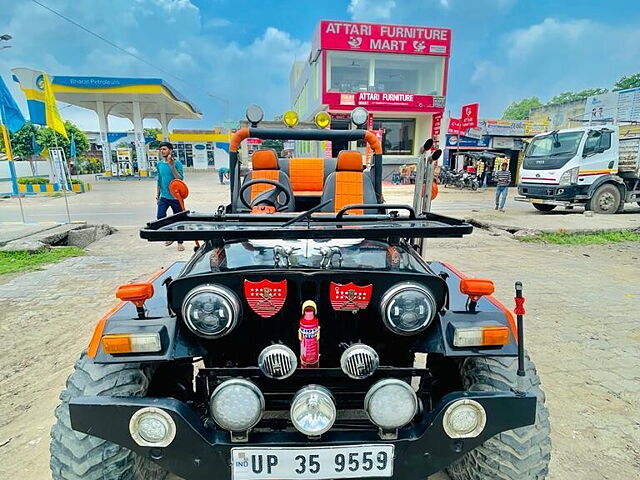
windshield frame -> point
(551, 154)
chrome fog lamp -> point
(313, 410)
(237, 405)
(359, 361)
(464, 418)
(277, 361)
(254, 114)
(359, 116)
(211, 311)
(152, 427)
(391, 404)
(407, 308)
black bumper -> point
(567, 193)
(200, 452)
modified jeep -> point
(306, 338)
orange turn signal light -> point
(135, 293)
(477, 287)
(491, 336)
(131, 343)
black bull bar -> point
(204, 452)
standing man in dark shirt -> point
(504, 180)
(168, 170)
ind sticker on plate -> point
(355, 461)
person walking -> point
(168, 170)
(503, 177)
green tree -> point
(631, 81)
(566, 97)
(153, 132)
(21, 141)
(520, 110)
(277, 145)
(47, 139)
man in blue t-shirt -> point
(168, 170)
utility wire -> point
(123, 50)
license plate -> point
(358, 461)
(536, 200)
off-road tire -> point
(607, 199)
(543, 207)
(78, 456)
(520, 454)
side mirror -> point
(476, 288)
(428, 144)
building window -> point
(348, 72)
(398, 135)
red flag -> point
(469, 116)
(454, 126)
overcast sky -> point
(217, 51)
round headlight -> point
(290, 118)
(407, 308)
(359, 116)
(152, 427)
(391, 403)
(464, 419)
(237, 405)
(254, 114)
(322, 119)
(313, 410)
(211, 311)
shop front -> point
(397, 72)
(493, 142)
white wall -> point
(23, 169)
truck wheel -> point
(76, 455)
(543, 207)
(605, 200)
(520, 454)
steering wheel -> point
(269, 196)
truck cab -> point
(592, 166)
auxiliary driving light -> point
(290, 118)
(391, 404)
(464, 418)
(359, 116)
(313, 410)
(322, 119)
(237, 405)
(277, 361)
(254, 114)
(407, 308)
(152, 427)
(211, 311)
(359, 361)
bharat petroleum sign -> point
(371, 37)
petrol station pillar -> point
(164, 123)
(103, 122)
(141, 152)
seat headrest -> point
(266, 159)
(349, 161)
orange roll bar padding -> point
(237, 139)
(373, 141)
(94, 344)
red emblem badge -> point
(350, 297)
(266, 298)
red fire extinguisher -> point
(309, 336)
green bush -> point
(37, 180)
(32, 180)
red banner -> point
(469, 116)
(373, 37)
(436, 125)
(455, 126)
(384, 101)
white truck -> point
(597, 167)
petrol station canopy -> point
(155, 96)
